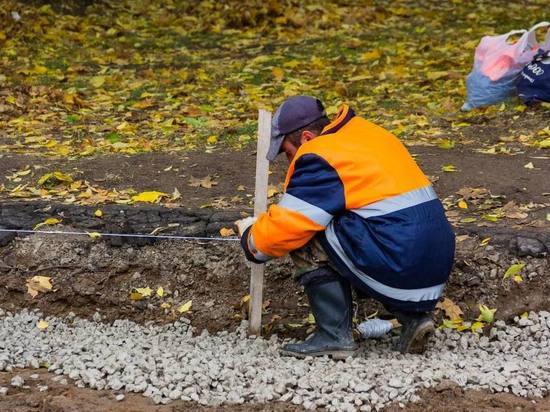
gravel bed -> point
(167, 362)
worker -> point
(356, 211)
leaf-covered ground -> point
(131, 76)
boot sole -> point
(334, 354)
(420, 339)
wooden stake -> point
(260, 206)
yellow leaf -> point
(40, 69)
(55, 178)
(94, 235)
(144, 104)
(245, 299)
(160, 291)
(462, 204)
(97, 81)
(98, 213)
(544, 144)
(518, 278)
(225, 232)
(149, 197)
(165, 305)
(42, 324)
(514, 270)
(491, 217)
(451, 309)
(11, 100)
(446, 144)
(524, 315)
(278, 73)
(294, 325)
(448, 168)
(548, 217)
(38, 284)
(371, 55)
(477, 327)
(311, 319)
(436, 75)
(140, 293)
(529, 165)
(212, 140)
(186, 307)
(48, 222)
(485, 241)
(486, 314)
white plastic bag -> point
(497, 65)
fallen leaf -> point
(446, 144)
(97, 81)
(278, 73)
(42, 324)
(225, 232)
(38, 284)
(160, 291)
(98, 213)
(486, 314)
(436, 75)
(477, 327)
(371, 55)
(149, 197)
(311, 319)
(513, 270)
(94, 235)
(176, 194)
(186, 307)
(462, 204)
(451, 309)
(165, 305)
(448, 168)
(206, 182)
(517, 278)
(212, 140)
(140, 293)
(48, 222)
(54, 178)
(529, 165)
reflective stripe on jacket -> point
(375, 212)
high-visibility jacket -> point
(375, 213)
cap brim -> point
(275, 147)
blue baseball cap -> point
(295, 113)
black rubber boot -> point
(331, 304)
(416, 329)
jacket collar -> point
(345, 114)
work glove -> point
(244, 224)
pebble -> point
(168, 363)
(17, 381)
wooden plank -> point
(260, 206)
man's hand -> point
(244, 224)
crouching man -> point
(357, 211)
